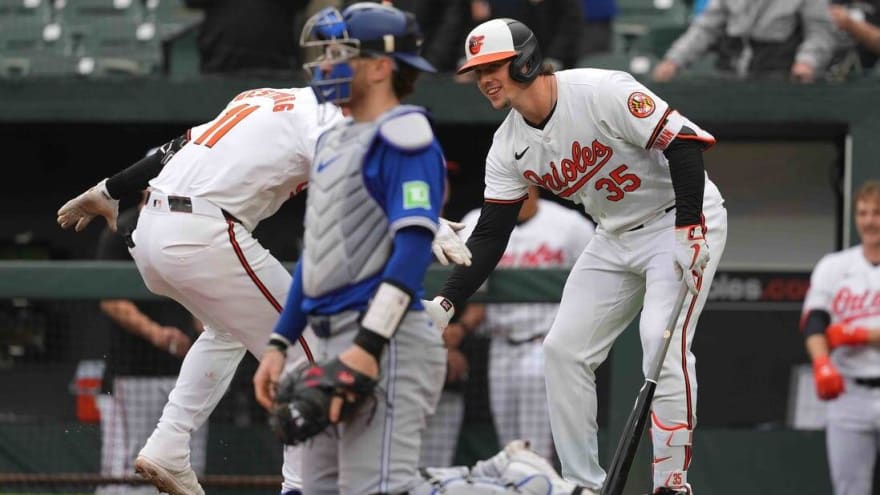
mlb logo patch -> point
(416, 195)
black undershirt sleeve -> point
(816, 322)
(688, 179)
(135, 178)
(487, 244)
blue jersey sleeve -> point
(408, 184)
(293, 319)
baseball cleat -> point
(679, 490)
(167, 481)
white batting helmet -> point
(501, 39)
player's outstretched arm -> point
(103, 198)
(487, 244)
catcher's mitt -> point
(303, 403)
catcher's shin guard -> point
(672, 454)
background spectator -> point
(442, 27)
(860, 20)
(257, 37)
(757, 39)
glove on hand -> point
(829, 383)
(440, 310)
(840, 334)
(447, 246)
(303, 403)
(80, 210)
(691, 255)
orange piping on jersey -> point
(259, 283)
(708, 142)
(658, 128)
(505, 201)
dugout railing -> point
(44, 448)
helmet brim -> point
(485, 59)
(416, 61)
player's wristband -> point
(383, 316)
(278, 342)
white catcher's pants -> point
(223, 276)
(608, 285)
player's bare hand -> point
(803, 72)
(361, 361)
(840, 15)
(267, 376)
(79, 211)
(447, 246)
(691, 255)
(453, 334)
(457, 367)
(665, 71)
(173, 341)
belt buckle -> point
(180, 203)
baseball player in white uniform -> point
(842, 312)
(193, 243)
(547, 235)
(601, 139)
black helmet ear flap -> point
(526, 65)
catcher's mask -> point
(501, 39)
(361, 30)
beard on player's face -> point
(867, 219)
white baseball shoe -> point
(173, 482)
(518, 462)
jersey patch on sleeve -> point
(640, 104)
(416, 195)
(408, 132)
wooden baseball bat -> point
(638, 418)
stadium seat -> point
(171, 17)
(30, 49)
(77, 14)
(14, 11)
(125, 49)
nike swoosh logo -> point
(327, 163)
(658, 460)
(520, 154)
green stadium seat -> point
(31, 49)
(126, 49)
(15, 11)
(172, 17)
(79, 15)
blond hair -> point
(870, 190)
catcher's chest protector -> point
(346, 230)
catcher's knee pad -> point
(672, 453)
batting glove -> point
(840, 334)
(440, 310)
(691, 255)
(447, 246)
(80, 210)
(829, 383)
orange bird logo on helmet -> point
(475, 43)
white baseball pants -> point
(223, 276)
(615, 277)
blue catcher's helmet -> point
(362, 29)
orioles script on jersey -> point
(851, 305)
(572, 173)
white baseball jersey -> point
(254, 156)
(847, 286)
(602, 147)
(553, 238)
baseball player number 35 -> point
(638, 418)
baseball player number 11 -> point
(223, 125)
